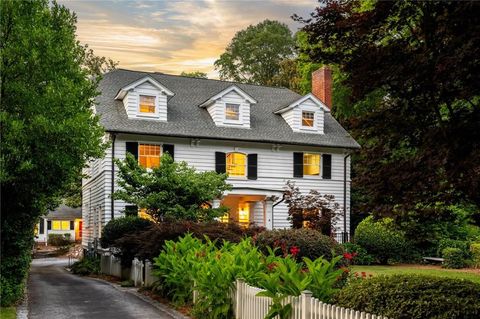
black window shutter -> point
(42, 226)
(131, 210)
(252, 166)
(220, 162)
(297, 164)
(169, 148)
(72, 225)
(327, 166)
(49, 224)
(132, 148)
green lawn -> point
(418, 269)
(8, 313)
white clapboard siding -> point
(248, 305)
(275, 168)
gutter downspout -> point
(345, 238)
(112, 201)
(273, 207)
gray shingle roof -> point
(187, 119)
(65, 212)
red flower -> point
(294, 250)
(345, 269)
(364, 274)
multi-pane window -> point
(60, 225)
(149, 155)
(308, 118)
(232, 112)
(236, 164)
(147, 104)
(311, 164)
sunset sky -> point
(174, 36)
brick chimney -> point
(322, 85)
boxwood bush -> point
(311, 243)
(475, 252)
(413, 297)
(453, 258)
(380, 239)
(453, 243)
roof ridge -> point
(217, 80)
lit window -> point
(236, 164)
(147, 104)
(225, 218)
(60, 225)
(311, 164)
(232, 112)
(149, 155)
(243, 214)
(308, 118)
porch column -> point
(268, 206)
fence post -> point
(306, 304)
(238, 298)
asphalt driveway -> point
(55, 293)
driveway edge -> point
(158, 305)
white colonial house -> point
(260, 136)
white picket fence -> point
(110, 265)
(140, 272)
(247, 305)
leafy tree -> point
(312, 210)
(171, 191)
(415, 67)
(254, 54)
(48, 82)
(195, 74)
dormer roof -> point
(124, 90)
(296, 103)
(229, 89)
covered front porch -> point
(250, 206)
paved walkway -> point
(54, 293)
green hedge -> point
(453, 258)
(380, 239)
(475, 252)
(58, 240)
(311, 243)
(413, 297)
(453, 243)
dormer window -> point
(305, 115)
(230, 107)
(232, 112)
(147, 104)
(308, 118)
(145, 99)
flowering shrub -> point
(359, 255)
(211, 270)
